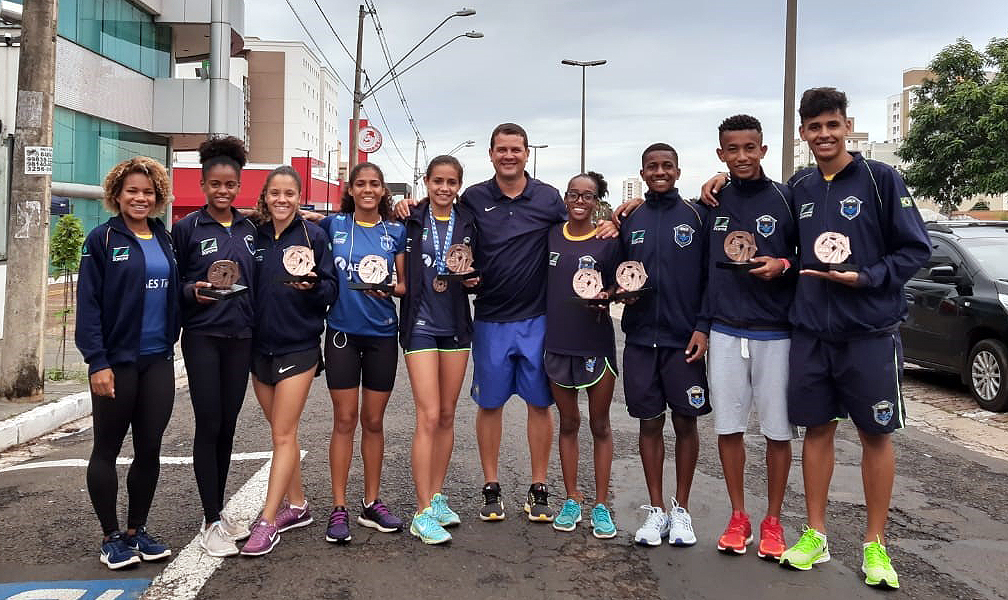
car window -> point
(942, 253)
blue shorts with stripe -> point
(508, 360)
(858, 378)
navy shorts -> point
(271, 370)
(508, 360)
(578, 372)
(857, 378)
(658, 378)
(422, 342)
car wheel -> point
(988, 374)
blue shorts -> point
(660, 379)
(508, 360)
(859, 378)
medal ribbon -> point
(441, 250)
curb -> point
(49, 417)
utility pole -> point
(787, 144)
(220, 65)
(357, 100)
(22, 365)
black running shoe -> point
(493, 508)
(537, 504)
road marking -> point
(185, 576)
(123, 460)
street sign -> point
(369, 139)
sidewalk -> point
(66, 399)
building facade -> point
(898, 106)
(633, 187)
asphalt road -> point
(948, 529)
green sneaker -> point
(569, 517)
(445, 516)
(426, 527)
(877, 568)
(603, 526)
(811, 549)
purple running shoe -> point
(291, 517)
(338, 531)
(263, 539)
(377, 516)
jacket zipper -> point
(657, 283)
(829, 303)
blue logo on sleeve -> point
(766, 225)
(684, 235)
(850, 207)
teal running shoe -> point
(569, 516)
(445, 516)
(426, 527)
(603, 526)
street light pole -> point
(583, 65)
(538, 146)
(787, 145)
(328, 177)
(465, 144)
(391, 74)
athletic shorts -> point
(271, 370)
(508, 360)
(858, 378)
(748, 373)
(578, 372)
(360, 360)
(422, 342)
(658, 378)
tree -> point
(957, 145)
(65, 254)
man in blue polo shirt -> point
(514, 213)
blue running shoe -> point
(444, 515)
(569, 516)
(426, 527)
(148, 547)
(338, 531)
(603, 526)
(116, 554)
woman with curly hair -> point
(217, 334)
(360, 343)
(127, 324)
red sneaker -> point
(737, 535)
(771, 543)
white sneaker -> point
(680, 527)
(216, 542)
(236, 531)
(655, 527)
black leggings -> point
(218, 369)
(144, 395)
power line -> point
(345, 49)
(321, 52)
(388, 59)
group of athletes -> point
(803, 346)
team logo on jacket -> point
(208, 246)
(684, 235)
(423, 238)
(554, 257)
(850, 207)
(339, 237)
(586, 262)
(721, 223)
(84, 251)
(250, 243)
(637, 237)
(387, 243)
(427, 260)
(696, 396)
(883, 412)
(590, 364)
(806, 210)
(120, 253)
(766, 225)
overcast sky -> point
(675, 70)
